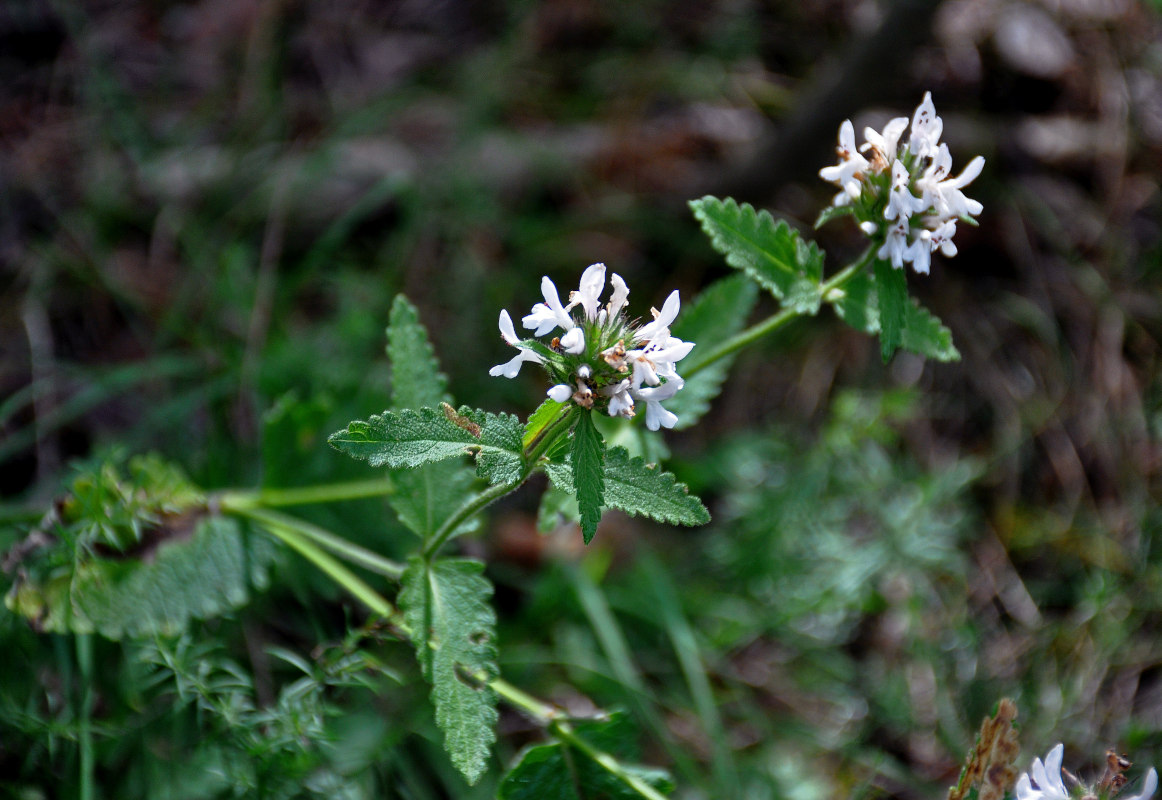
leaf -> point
(587, 459)
(547, 413)
(923, 332)
(892, 297)
(771, 253)
(833, 212)
(453, 628)
(560, 771)
(427, 495)
(716, 315)
(416, 380)
(411, 437)
(639, 489)
(187, 568)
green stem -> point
(85, 727)
(466, 512)
(780, 319)
(564, 731)
(320, 536)
(294, 537)
(307, 495)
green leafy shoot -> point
(540, 420)
(640, 489)
(587, 458)
(565, 771)
(771, 253)
(453, 627)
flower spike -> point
(602, 360)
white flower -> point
(662, 319)
(656, 360)
(656, 416)
(921, 184)
(620, 399)
(574, 341)
(1148, 788)
(942, 238)
(592, 285)
(945, 195)
(510, 368)
(618, 298)
(884, 146)
(901, 202)
(926, 128)
(919, 252)
(549, 314)
(589, 364)
(895, 244)
(851, 163)
(1043, 781)
(561, 392)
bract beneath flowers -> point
(902, 193)
(600, 359)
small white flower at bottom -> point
(620, 399)
(656, 415)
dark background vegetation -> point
(207, 207)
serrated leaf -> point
(892, 298)
(717, 314)
(639, 489)
(188, 568)
(587, 459)
(416, 380)
(923, 332)
(453, 628)
(559, 771)
(771, 253)
(833, 212)
(425, 496)
(411, 437)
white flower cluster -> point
(903, 189)
(1044, 781)
(602, 360)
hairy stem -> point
(780, 319)
(334, 569)
(307, 495)
(564, 731)
(320, 536)
(470, 509)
